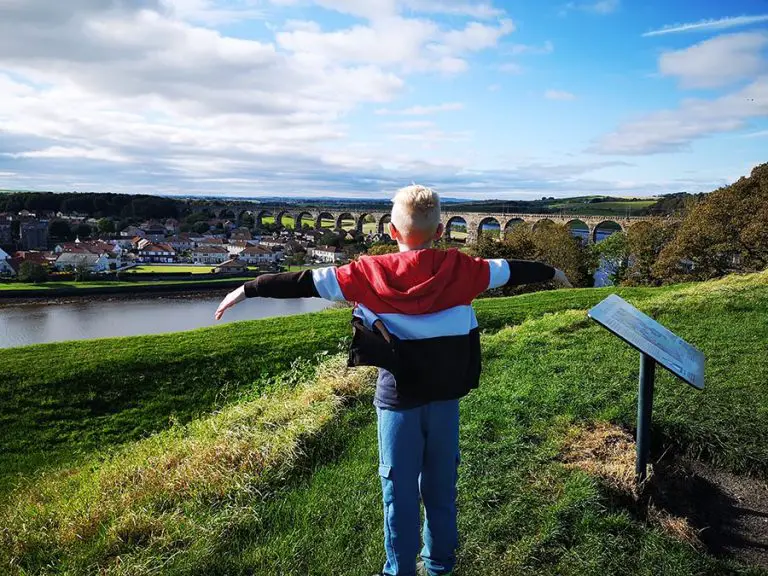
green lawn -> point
(618, 208)
(282, 480)
(160, 269)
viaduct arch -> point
(591, 228)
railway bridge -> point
(471, 224)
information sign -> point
(651, 338)
(656, 344)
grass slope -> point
(65, 400)
(521, 510)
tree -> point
(82, 271)
(725, 231)
(551, 243)
(200, 227)
(83, 231)
(106, 226)
(379, 249)
(32, 272)
(645, 240)
(247, 220)
(61, 231)
(613, 252)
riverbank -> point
(17, 292)
(269, 469)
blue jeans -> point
(419, 456)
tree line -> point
(721, 232)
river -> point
(101, 318)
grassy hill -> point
(249, 449)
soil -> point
(729, 512)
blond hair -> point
(416, 209)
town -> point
(46, 245)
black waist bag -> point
(443, 368)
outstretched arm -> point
(318, 283)
(517, 272)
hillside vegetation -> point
(264, 464)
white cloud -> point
(373, 9)
(476, 36)
(705, 25)
(410, 124)
(603, 6)
(494, 87)
(717, 62)
(482, 10)
(675, 130)
(422, 110)
(559, 95)
(213, 12)
(599, 7)
(547, 48)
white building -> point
(157, 253)
(329, 254)
(74, 260)
(209, 254)
(255, 255)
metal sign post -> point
(656, 344)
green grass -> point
(617, 208)
(159, 269)
(314, 497)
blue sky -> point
(348, 98)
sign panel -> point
(651, 338)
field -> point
(160, 269)
(250, 448)
(615, 208)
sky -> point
(356, 98)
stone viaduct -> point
(471, 223)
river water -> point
(37, 323)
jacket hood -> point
(416, 281)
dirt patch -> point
(729, 512)
(711, 509)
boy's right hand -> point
(562, 279)
(231, 299)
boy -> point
(414, 320)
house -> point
(231, 266)
(255, 255)
(34, 235)
(155, 232)
(329, 254)
(209, 254)
(6, 230)
(277, 243)
(157, 253)
(132, 232)
(235, 247)
(241, 234)
(181, 242)
(76, 260)
(312, 235)
(112, 252)
(172, 225)
(5, 264)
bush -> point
(32, 272)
